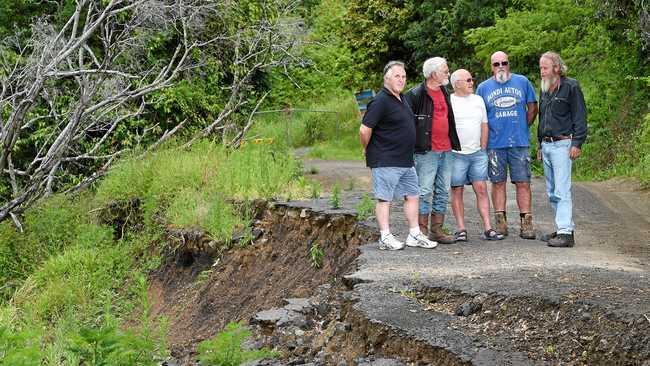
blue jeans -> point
(557, 170)
(434, 177)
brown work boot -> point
(501, 222)
(527, 230)
(436, 232)
(423, 221)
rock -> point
(468, 308)
(300, 305)
(257, 232)
(271, 317)
(252, 344)
(170, 363)
(381, 362)
(585, 316)
(304, 213)
(341, 328)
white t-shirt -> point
(469, 113)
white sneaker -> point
(390, 243)
(421, 241)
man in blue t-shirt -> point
(512, 107)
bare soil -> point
(199, 292)
(568, 332)
(200, 289)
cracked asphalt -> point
(609, 267)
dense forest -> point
(86, 82)
(108, 101)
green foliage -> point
(365, 207)
(335, 197)
(109, 346)
(50, 227)
(19, 348)
(373, 28)
(589, 39)
(642, 170)
(315, 190)
(189, 188)
(437, 27)
(332, 134)
(191, 208)
(329, 67)
(58, 313)
(225, 349)
(79, 281)
(316, 254)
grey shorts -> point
(391, 182)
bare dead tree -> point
(97, 54)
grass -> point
(190, 188)
(330, 128)
(69, 286)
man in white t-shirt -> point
(471, 162)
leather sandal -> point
(461, 235)
(492, 235)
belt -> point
(555, 138)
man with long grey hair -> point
(436, 136)
(387, 134)
(561, 132)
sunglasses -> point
(502, 63)
(470, 80)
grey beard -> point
(502, 77)
(546, 84)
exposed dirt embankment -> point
(200, 290)
(568, 331)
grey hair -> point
(556, 60)
(391, 64)
(432, 65)
(454, 78)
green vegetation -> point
(75, 277)
(70, 283)
(225, 349)
(335, 196)
(365, 207)
(329, 128)
(316, 255)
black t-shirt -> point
(393, 131)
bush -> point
(50, 227)
(225, 349)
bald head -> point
(500, 67)
(498, 56)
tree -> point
(66, 90)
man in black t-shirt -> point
(387, 135)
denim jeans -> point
(434, 177)
(469, 168)
(557, 170)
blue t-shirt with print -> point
(506, 109)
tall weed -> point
(225, 349)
